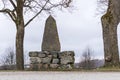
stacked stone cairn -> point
(50, 57)
(51, 60)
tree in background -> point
(102, 6)
(87, 59)
(110, 21)
(16, 10)
(8, 59)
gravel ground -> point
(59, 75)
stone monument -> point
(50, 57)
(50, 38)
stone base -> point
(51, 60)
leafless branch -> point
(36, 6)
(47, 6)
(102, 6)
(9, 12)
(103, 2)
(36, 14)
(13, 4)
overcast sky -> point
(77, 30)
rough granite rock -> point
(33, 60)
(50, 56)
(39, 60)
(68, 66)
(67, 60)
(54, 54)
(45, 66)
(41, 55)
(34, 67)
(46, 52)
(50, 38)
(46, 60)
(66, 53)
(40, 66)
(33, 54)
(54, 66)
(55, 61)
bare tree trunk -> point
(20, 36)
(19, 48)
(110, 42)
(110, 22)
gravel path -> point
(59, 75)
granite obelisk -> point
(50, 38)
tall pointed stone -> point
(50, 38)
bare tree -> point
(16, 10)
(103, 2)
(102, 6)
(110, 21)
(87, 58)
(8, 60)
